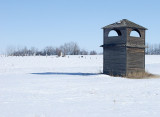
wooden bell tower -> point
(124, 53)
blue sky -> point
(41, 23)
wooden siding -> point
(135, 41)
(114, 61)
(123, 54)
(115, 39)
(135, 59)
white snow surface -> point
(72, 86)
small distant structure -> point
(124, 53)
(60, 54)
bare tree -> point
(10, 50)
(93, 52)
(58, 51)
(34, 50)
(76, 49)
(83, 52)
(49, 50)
(153, 49)
(71, 48)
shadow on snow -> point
(65, 73)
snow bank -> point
(71, 86)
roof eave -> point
(122, 27)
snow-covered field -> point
(72, 87)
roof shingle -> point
(124, 23)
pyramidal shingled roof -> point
(124, 23)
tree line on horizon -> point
(152, 49)
(70, 48)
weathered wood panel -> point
(114, 61)
(135, 59)
(115, 39)
(123, 54)
(135, 41)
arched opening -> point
(114, 33)
(135, 33)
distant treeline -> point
(70, 48)
(153, 49)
